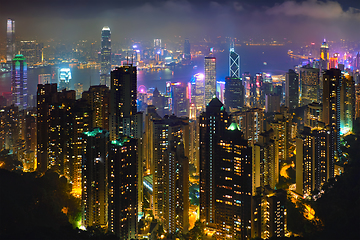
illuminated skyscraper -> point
(123, 184)
(10, 40)
(198, 92)
(324, 56)
(347, 104)
(64, 78)
(95, 178)
(19, 82)
(210, 79)
(314, 165)
(292, 89)
(309, 85)
(98, 98)
(225, 174)
(105, 56)
(234, 62)
(28, 50)
(123, 105)
(234, 93)
(179, 99)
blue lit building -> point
(19, 82)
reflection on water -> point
(252, 59)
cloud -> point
(314, 9)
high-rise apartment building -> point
(123, 182)
(268, 217)
(10, 40)
(251, 123)
(313, 115)
(210, 79)
(123, 97)
(95, 179)
(347, 104)
(105, 56)
(292, 89)
(169, 142)
(98, 98)
(314, 165)
(234, 93)
(225, 174)
(19, 82)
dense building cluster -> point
(128, 151)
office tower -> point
(19, 82)
(357, 62)
(123, 187)
(187, 54)
(313, 115)
(157, 49)
(234, 62)
(105, 56)
(169, 142)
(324, 56)
(333, 63)
(272, 103)
(309, 85)
(210, 79)
(180, 100)
(64, 78)
(98, 98)
(234, 93)
(292, 89)
(266, 167)
(268, 214)
(314, 165)
(123, 96)
(198, 92)
(251, 123)
(225, 174)
(44, 78)
(347, 104)
(95, 179)
(220, 91)
(10, 40)
(161, 103)
(247, 82)
(331, 106)
(29, 50)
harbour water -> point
(254, 59)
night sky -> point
(309, 20)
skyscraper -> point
(187, 54)
(292, 89)
(179, 99)
(95, 178)
(123, 187)
(309, 85)
(105, 56)
(234, 93)
(19, 81)
(29, 50)
(225, 174)
(198, 92)
(123, 96)
(324, 56)
(347, 104)
(10, 40)
(234, 62)
(210, 79)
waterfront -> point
(270, 59)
